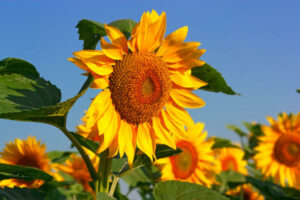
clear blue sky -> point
(254, 44)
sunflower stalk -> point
(83, 154)
(104, 172)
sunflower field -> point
(137, 130)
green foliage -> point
(91, 32)
(229, 180)
(21, 172)
(20, 194)
(89, 144)
(222, 143)
(298, 90)
(237, 130)
(103, 196)
(216, 82)
(25, 96)
(59, 156)
(177, 190)
(124, 25)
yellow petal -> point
(113, 148)
(79, 63)
(185, 98)
(162, 133)
(100, 83)
(130, 145)
(111, 50)
(87, 53)
(180, 115)
(180, 52)
(187, 81)
(144, 140)
(125, 129)
(99, 68)
(117, 37)
(111, 131)
(173, 127)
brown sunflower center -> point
(29, 161)
(139, 86)
(287, 149)
(229, 163)
(185, 163)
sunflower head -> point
(76, 167)
(30, 153)
(278, 152)
(146, 84)
(249, 193)
(195, 163)
(231, 159)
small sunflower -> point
(248, 193)
(195, 163)
(30, 153)
(231, 159)
(278, 152)
(146, 85)
(76, 167)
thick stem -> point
(104, 171)
(84, 156)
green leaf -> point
(91, 145)
(229, 180)
(223, 143)
(124, 25)
(59, 156)
(273, 191)
(216, 82)
(22, 172)
(298, 90)
(20, 194)
(177, 190)
(255, 129)
(91, 32)
(104, 196)
(237, 130)
(31, 98)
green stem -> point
(113, 186)
(84, 156)
(104, 172)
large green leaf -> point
(25, 96)
(222, 143)
(177, 190)
(104, 196)
(20, 194)
(298, 90)
(21, 172)
(124, 25)
(91, 32)
(91, 145)
(229, 180)
(273, 191)
(216, 82)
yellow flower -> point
(231, 159)
(76, 167)
(248, 193)
(278, 152)
(146, 84)
(195, 163)
(29, 153)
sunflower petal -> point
(111, 50)
(144, 140)
(187, 81)
(117, 37)
(185, 98)
(163, 134)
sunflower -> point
(231, 159)
(248, 193)
(29, 153)
(146, 85)
(76, 167)
(195, 163)
(278, 151)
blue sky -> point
(254, 44)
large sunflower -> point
(29, 153)
(76, 167)
(195, 163)
(231, 159)
(146, 84)
(278, 152)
